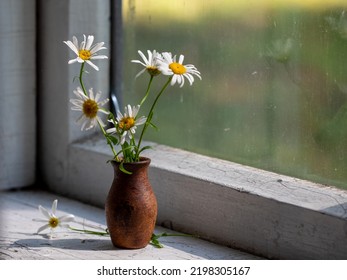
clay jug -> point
(131, 206)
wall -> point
(17, 93)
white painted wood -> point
(17, 93)
(261, 212)
(19, 241)
(60, 21)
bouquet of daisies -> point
(121, 134)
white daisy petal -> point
(101, 110)
(180, 61)
(80, 118)
(140, 73)
(54, 206)
(72, 46)
(174, 79)
(140, 62)
(143, 57)
(124, 134)
(77, 108)
(97, 47)
(136, 110)
(44, 212)
(111, 130)
(42, 228)
(141, 120)
(190, 78)
(181, 80)
(100, 121)
(130, 112)
(80, 94)
(84, 124)
(91, 95)
(80, 60)
(93, 65)
(167, 56)
(99, 57)
(67, 218)
(89, 42)
(75, 42)
(76, 102)
(150, 55)
(83, 43)
(119, 115)
(72, 61)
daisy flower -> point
(126, 124)
(150, 63)
(169, 66)
(86, 51)
(52, 221)
(90, 107)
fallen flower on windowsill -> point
(52, 222)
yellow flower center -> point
(126, 123)
(90, 108)
(84, 54)
(53, 222)
(177, 68)
(153, 71)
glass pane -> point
(274, 81)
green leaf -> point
(154, 126)
(150, 116)
(121, 168)
(110, 116)
(155, 242)
(113, 139)
(145, 148)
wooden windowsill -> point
(19, 241)
(260, 212)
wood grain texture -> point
(17, 93)
(57, 125)
(264, 213)
(18, 238)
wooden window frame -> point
(264, 213)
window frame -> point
(262, 212)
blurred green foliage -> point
(273, 91)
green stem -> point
(80, 78)
(108, 141)
(149, 117)
(90, 231)
(147, 91)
